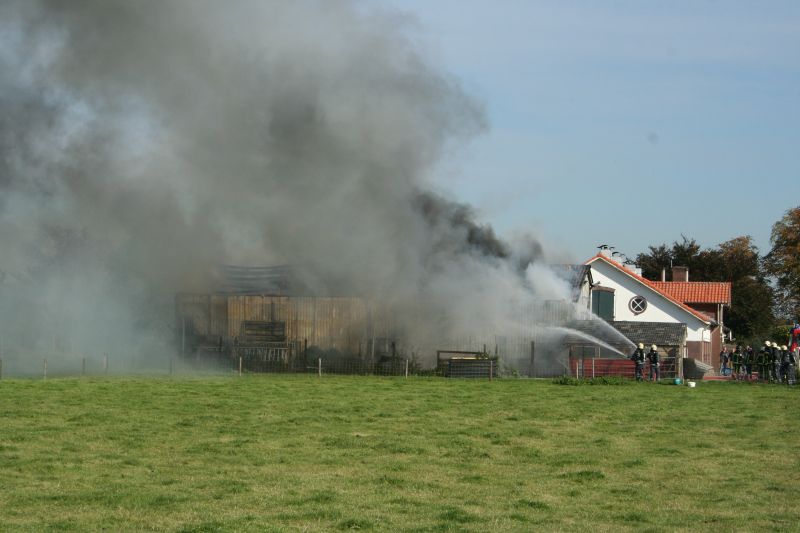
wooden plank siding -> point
(371, 330)
(342, 323)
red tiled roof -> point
(696, 292)
(650, 284)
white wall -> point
(584, 299)
(659, 308)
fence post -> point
(44, 369)
(240, 366)
(1, 368)
(170, 365)
(105, 363)
(491, 369)
(406, 368)
(319, 366)
(593, 367)
(83, 366)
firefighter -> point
(776, 363)
(749, 361)
(784, 364)
(736, 359)
(764, 355)
(655, 363)
(638, 357)
(791, 363)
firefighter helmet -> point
(641, 345)
(766, 343)
(653, 347)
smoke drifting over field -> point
(142, 144)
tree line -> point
(765, 288)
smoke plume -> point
(142, 144)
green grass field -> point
(286, 453)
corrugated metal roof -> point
(277, 280)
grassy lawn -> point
(283, 453)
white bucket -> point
(691, 384)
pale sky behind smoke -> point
(624, 122)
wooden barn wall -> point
(205, 314)
(347, 324)
(342, 323)
(329, 323)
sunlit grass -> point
(282, 453)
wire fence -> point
(105, 365)
(479, 368)
(108, 364)
(623, 368)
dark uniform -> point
(749, 361)
(784, 370)
(736, 359)
(790, 366)
(638, 357)
(776, 364)
(655, 363)
(762, 364)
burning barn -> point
(274, 321)
(267, 317)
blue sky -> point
(623, 122)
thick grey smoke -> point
(144, 143)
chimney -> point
(680, 273)
(630, 267)
(605, 252)
(663, 274)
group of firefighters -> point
(773, 363)
(639, 357)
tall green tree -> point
(783, 263)
(687, 252)
(737, 261)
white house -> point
(620, 294)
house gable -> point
(659, 307)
